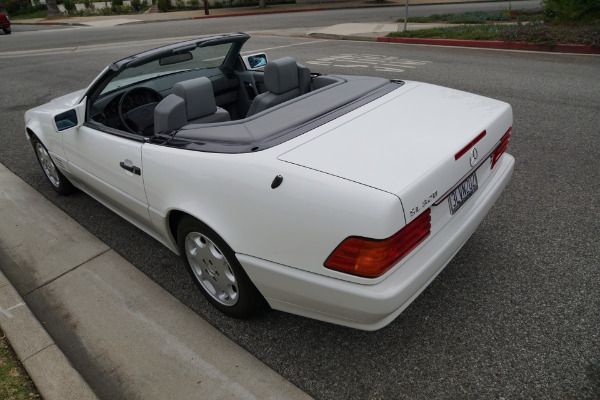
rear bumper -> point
(371, 307)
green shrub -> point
(163, 5)
(571, 11)
(179, 3)
(498, 17)
(38, 11)
(194, 3)
(136, 4)
(528, 33)
(69, 5)
(13, 6)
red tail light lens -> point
(371, 258)
(501, 147)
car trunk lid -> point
(406, 142)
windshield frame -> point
(193, 58)
(96, 88)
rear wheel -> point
(58, 181)
(216, 271)
(7, 30)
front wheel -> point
(58, 181)
(216, 271)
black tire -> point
(57, 180)
(216, 271)
(7, 30)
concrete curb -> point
(262, 13)
(52, 373)
(332, 36)
(123, 334)
(493, 44)
(483, 44)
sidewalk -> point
(112, 20)
(107, 331)
(349, 31)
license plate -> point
(461, 194)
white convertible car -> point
(335, 197)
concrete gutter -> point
(494, 44)
(107, 331)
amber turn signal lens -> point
(371, 258)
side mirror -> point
(66, 120)
(255, 61)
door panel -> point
(109, 166)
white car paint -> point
(419, 158)
(367, 173)
(373, 306)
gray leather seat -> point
(169, 114)
(192, 102)
(200, 101)
(284, 80)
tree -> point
(2, 8)
(53, 11)
(571, 11)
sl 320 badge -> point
(429, 199)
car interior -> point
(209, 92)
(193, 101)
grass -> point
(470, 32)
(533, 31)
(15, 384)
(478, 17)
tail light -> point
(501, 148)
(371, 258)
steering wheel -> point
(141, 117)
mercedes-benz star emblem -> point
(474, 156)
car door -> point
(108, 166)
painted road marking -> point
(377, 62)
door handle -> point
(131, 168)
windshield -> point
(197, 58)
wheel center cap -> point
(211, 270)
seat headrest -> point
(169, 114)
(198, 96)
(281, 75)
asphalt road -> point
(249, 23)
(515, 315)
